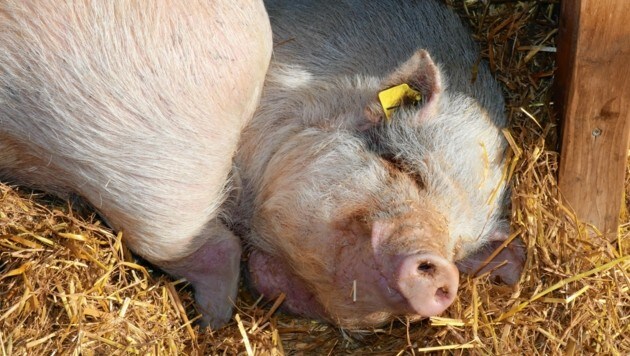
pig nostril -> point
(426, 267)
(442, 293)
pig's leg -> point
(213, 271)
(510, 259)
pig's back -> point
(136, 106)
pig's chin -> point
(271, 277)
(349, 303)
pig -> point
(137, 107)
(358, 212)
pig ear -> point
(423, 76)
(500, 233)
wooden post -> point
(593, 93)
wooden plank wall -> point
(593, 93)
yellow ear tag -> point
(392, 98)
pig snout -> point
(427, 282)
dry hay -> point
(68, 286)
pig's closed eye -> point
(405, 168)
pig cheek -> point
(359, 274)
(360, 294)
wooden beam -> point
(593, 93)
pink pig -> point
(137, 106)
(355, 217)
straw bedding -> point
(68, 285)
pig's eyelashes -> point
(404, 167)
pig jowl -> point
(357, 214)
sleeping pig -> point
(137, 106)
(374, 163)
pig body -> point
(138, 108)
(354, 217)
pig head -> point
(355, 215)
